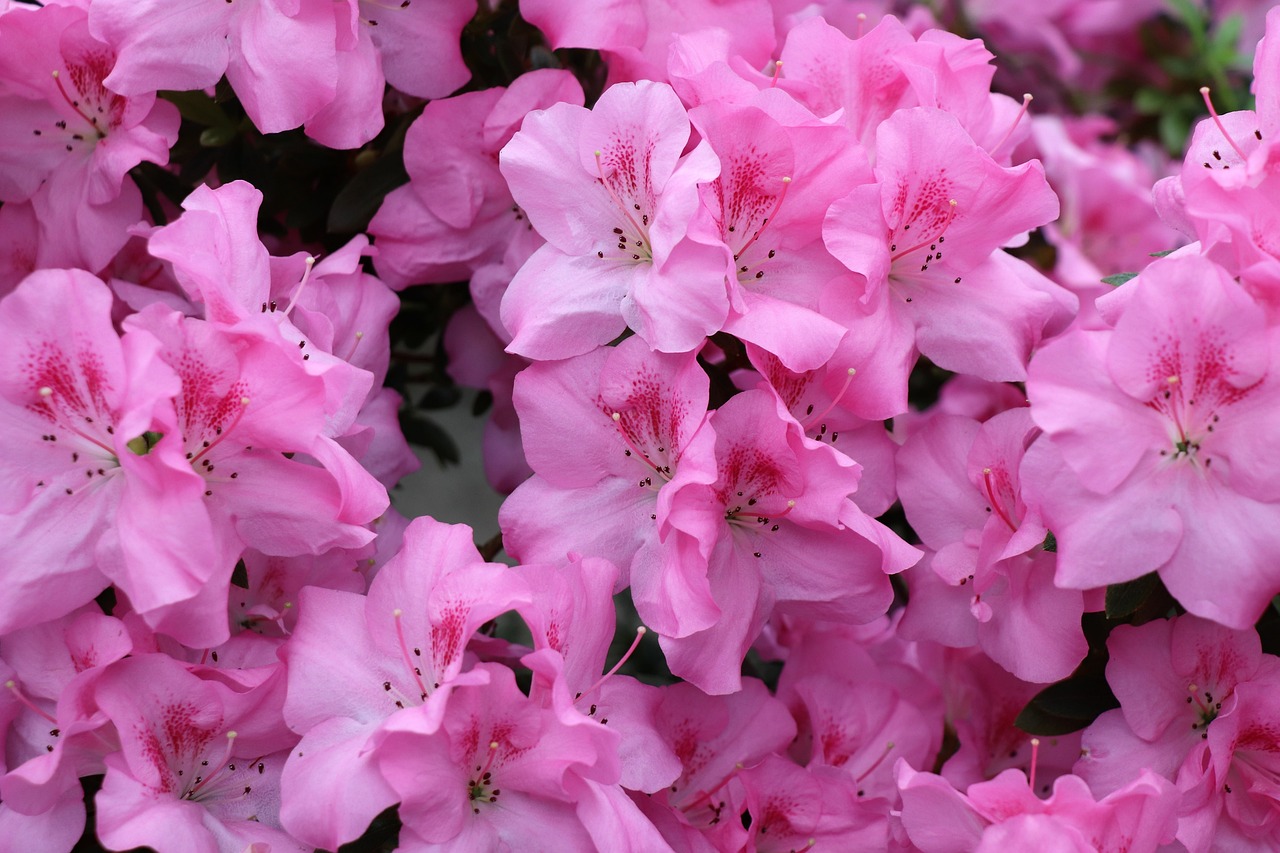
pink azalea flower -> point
(18, 229)
(1005, 814)
(855, 714)
(829, 72)
(794, 808)
(456, 213)
(199, 766)
(611, 193)
(69, 139)
(1108, 220)
(78, 405)
(187, 45)
(842, 403)
(53, 727)
(927, 239)
(572, 613)
(1197, 706)
(243, 402)
(983, 701)
(399, 653)
(1162, 446)
(635, 36)
(222, 266)
(419, 43)
(954, 74)
(761, 519)
(715, 737)
(496, 768)
(960, 489)
(780, 170)
(598, 494)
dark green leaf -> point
(1050, 542)
(1067, 706)
(360, 199)
(1119, 278)
(1163, 254)
(196, 106)
(424, 432)
(1124, 599)
(216, 137)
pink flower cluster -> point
(697, 304)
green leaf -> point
(1163, 254)
(1067, 706)
(218, 136)
(141, 445)
(196, 106)
(1124, 599)
(1119, 278)
(424, 432)
(1050, 542)
(1149, 101)
(360, 199)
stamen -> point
(951, 215)
(857, 34)
(640, 232)
(709, 793)
(996, 506)
(888, 747)
(31, 706)
(786, 184)
(1026, 102)
(75, 105)
(355, 346)
(1035, 757)
(47, 393)
(1204, 93)
(226, 757)
(644, 457)
(404, 651)
(297, 291)
(640, 632)
(244, 404)
(777, 72)
(843, 388)
(493, 752)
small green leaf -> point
(1050, 542)
(1124, 599)
(1163, 254)
(217, 136)
(141, 445)
(1149, 101)
(1119, 278)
